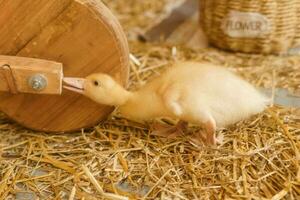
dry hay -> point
(259, 157)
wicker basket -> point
(252, 26)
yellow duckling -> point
(199, 93)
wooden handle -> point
(28, 75)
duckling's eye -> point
(96, 83)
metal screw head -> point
(37, 82)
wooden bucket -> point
(69, 37)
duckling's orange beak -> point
(74, 84)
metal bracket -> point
(8, 75)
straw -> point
(120, 159)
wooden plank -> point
(180, 27)
(168, 25)
(8, 83)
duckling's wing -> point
(171, 98)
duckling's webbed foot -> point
(210, 132)
(208, 135)
(170, 131)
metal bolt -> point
(37, 82)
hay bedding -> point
(259, 157)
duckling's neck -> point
(142, 105)
(128, 97)
(121, 96)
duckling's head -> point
(99, 87)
